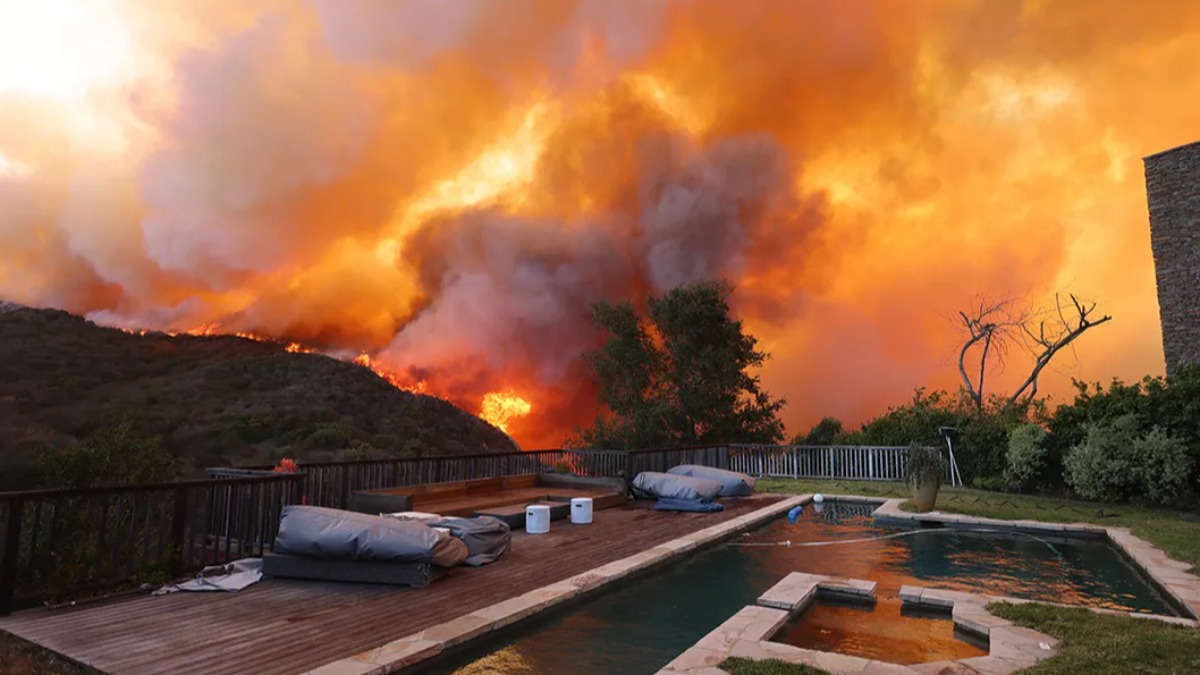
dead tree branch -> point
(1049, 341)
(989, 326)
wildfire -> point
(499, 408)
(390, 376)
(459, 200)
(204, 330)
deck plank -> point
(287, 626)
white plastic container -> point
(537, 519)
(581, 510)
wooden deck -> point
(286, 626)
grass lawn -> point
(1176, 532)
(771, 667)
(1102, 644)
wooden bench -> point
(492, 496)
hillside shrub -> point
(115, 454)
(1026, 458)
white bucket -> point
(581, 510)
(537, 519)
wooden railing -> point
(59, 542)
(55, 542)
(665, 458)
(849, 462)
(333, 483)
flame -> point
(390, 376)
(474, 179)
(500, 408)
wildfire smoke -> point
(448, 190)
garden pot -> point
(924, 495)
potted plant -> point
(924, 475)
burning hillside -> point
(447, 191)
(214, 400)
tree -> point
(114, 454)
(681, 377)
(824, 432)
(993, 325)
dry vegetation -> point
(215, 401)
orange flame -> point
(390, 376)
(500, 408)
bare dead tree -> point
(993, 325)
(990, 325)
(1050, 337)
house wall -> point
(1173, 194)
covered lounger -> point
(335, 545)
(653, 485)
(486, 538)
(733, 484)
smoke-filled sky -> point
(447, 184)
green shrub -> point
(1105, 465)
(1165, 465)
(1172, 404)
(1026, 457)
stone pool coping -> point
(430, 642)
(747, 634)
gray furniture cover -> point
(733, 484)
(332, 534)
(652, 484)
(486, 538)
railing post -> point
(178, 529)
(8, 566)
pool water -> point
(1073, 571)
(884, 632)
(641, 625)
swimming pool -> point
(886, 631)
(641, 625)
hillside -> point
(215, 400)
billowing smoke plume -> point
(449, 185)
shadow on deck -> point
(286, 626)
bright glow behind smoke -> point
(447, 191)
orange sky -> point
(447, 190)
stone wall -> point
(1173, 193)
